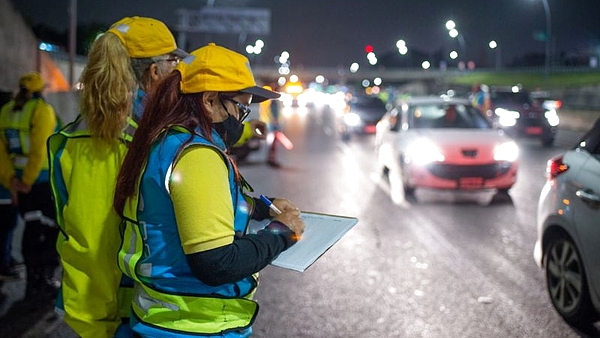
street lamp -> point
(494, 45)
(453, 32)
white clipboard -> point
(322, 231)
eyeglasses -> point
(244, 109)
(173, 61)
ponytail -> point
(108, 88)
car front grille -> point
(454, 172)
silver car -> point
(568, 238)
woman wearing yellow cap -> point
(26, 122)
(185, 241)
(85, 157)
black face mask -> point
(230, 130)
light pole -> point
(72, 41)
(548, 35)
(494, 45)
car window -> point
(462, 116)
(591, 141)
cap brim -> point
(180, 53)
(260, 94)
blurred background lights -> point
(354, 67)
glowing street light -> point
(402, 49)
(494, 45)
(256, 48)
(453, 32)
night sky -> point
(335, 32)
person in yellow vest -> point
(26, 122)
(123, 64)
(269, 113)
(185, 238)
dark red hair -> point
(165, 107)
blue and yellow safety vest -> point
(169, 301)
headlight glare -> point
(508, 151)
(552, 117)
(424, 152)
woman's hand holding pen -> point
(290, 215)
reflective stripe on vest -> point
(16, 127)
(192, 314)
(179, 312)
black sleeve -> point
(246, 255)
(261, 209)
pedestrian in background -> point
(480, 98)
(185, 239)
(26, 122)
(123, 63)
(269, 113)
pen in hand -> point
(270, 204)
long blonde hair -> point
(108, 88)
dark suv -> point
(516, 113)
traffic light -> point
(368, 49)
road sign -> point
(225, 20)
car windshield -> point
(462, 116)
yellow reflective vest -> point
(83, 174)
(23, 136)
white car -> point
(444, 143)
(568, 231)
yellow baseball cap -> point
(145, 37)
(218, 69)
(32, 81)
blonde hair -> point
(108, 87)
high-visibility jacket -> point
(169, 301)
(23, 136)
(83, 174)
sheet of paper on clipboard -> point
(321, 233)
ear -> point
(154, 73)
(212, 105)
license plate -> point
(370, 129)
(470, 183)
(534, 130)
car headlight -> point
(423, 152)
(552, 117)
(351, 119)
(507, 118)
(507, 151)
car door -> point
(586, 206)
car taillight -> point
(558, 104)
(555, 167)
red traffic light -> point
(368, 48)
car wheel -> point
(566, 281)
(409, 190)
